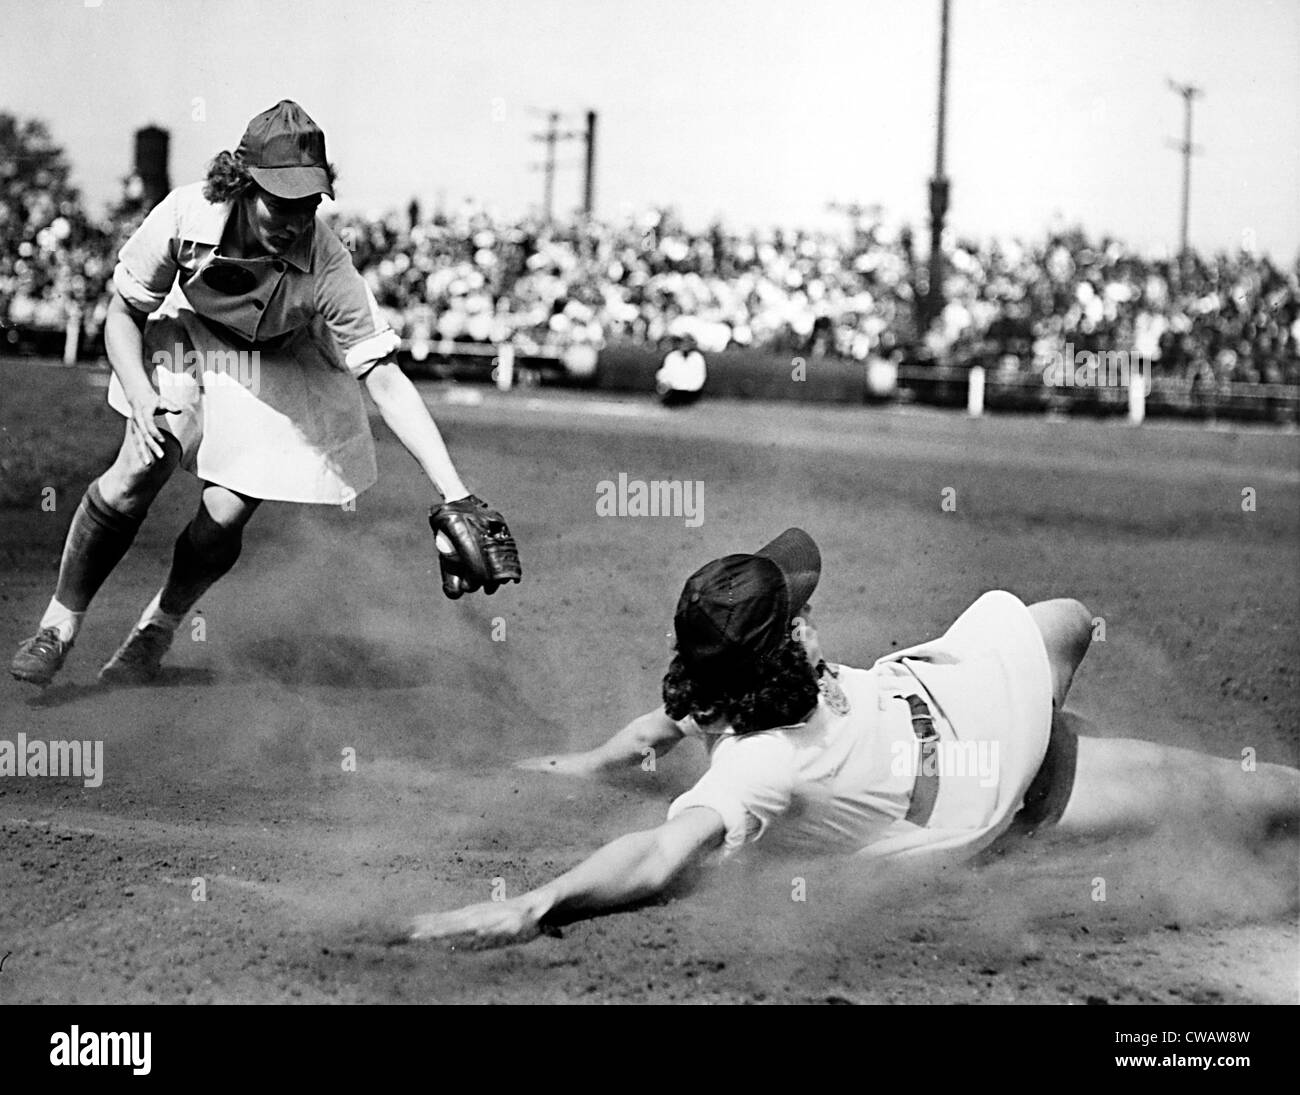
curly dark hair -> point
(229, 179)
(782, 690)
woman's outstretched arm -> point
(631, 868)
(406, 415)
(653, 733)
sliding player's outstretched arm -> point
(632, 868)
(653, 733)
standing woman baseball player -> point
(237, 332)
(939, 748)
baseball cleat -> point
(139, 659)
(40, 657)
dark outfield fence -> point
(749, 374)
(741, 374)
(1167, 396)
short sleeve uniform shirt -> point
(262, 354)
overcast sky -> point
(761, 112)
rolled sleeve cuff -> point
(741, 826)
(135, 292)
(363, 356)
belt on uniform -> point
(926, 788)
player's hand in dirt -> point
(584, 765)
(478, 927)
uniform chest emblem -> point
(832, 694)
(227, 279)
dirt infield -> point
(332, 635)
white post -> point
(72, 335)
(1137, 397)
(505, 369)
(975, 392)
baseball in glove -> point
(475, 548)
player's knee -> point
(224, 510)
(1065, 624)
(1066, 628)
(130, 485)
(1078, 623)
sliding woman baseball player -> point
(237, 333)
(940, 748)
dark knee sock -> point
(204, 552)
(97, 540)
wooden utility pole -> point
(1185, 146)
(589, 174)
(939, 190)
(551, 136)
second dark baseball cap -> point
(736, 611)
(284, 151)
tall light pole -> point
(1185, 146)
(939, 183)
(589, 175)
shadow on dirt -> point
(337, 661)
(172, 676)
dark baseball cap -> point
(284, 151)
(736, 611)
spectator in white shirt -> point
(680, 378)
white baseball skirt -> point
(989, 682)
(286, 424)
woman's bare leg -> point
(1066, 628)
(1125, 785)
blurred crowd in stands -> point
(51, 260)
(1206, 320)
(1233, 317)
(466, 276)
(55, 260)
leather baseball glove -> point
(475, 548)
